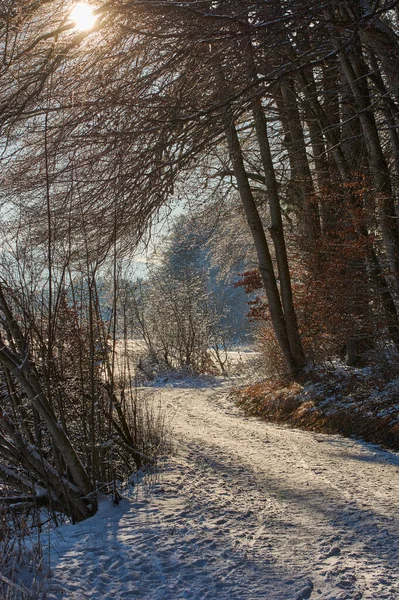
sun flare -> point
(82, 15)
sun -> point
(83, 16)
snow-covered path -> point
(243, 510)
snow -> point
(241, 510)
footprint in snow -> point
(333, 551)
(305, 592)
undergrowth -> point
(23, 561)
(334, 399)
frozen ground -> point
(243, 510)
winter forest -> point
(199, 239)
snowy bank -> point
(335, 398)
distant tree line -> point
(185, 309)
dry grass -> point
(360, 403)
(23, 565)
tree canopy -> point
(295, 102)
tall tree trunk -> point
(322, 167)
(276, 229)
(294, 357)
(277, 232)
(301, 178)
(355, 73)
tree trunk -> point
(295, 361)
(355, 73)
(301, 178)
(277, 232)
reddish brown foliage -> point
(352, 404)
(251, 281)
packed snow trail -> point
(243, 510)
